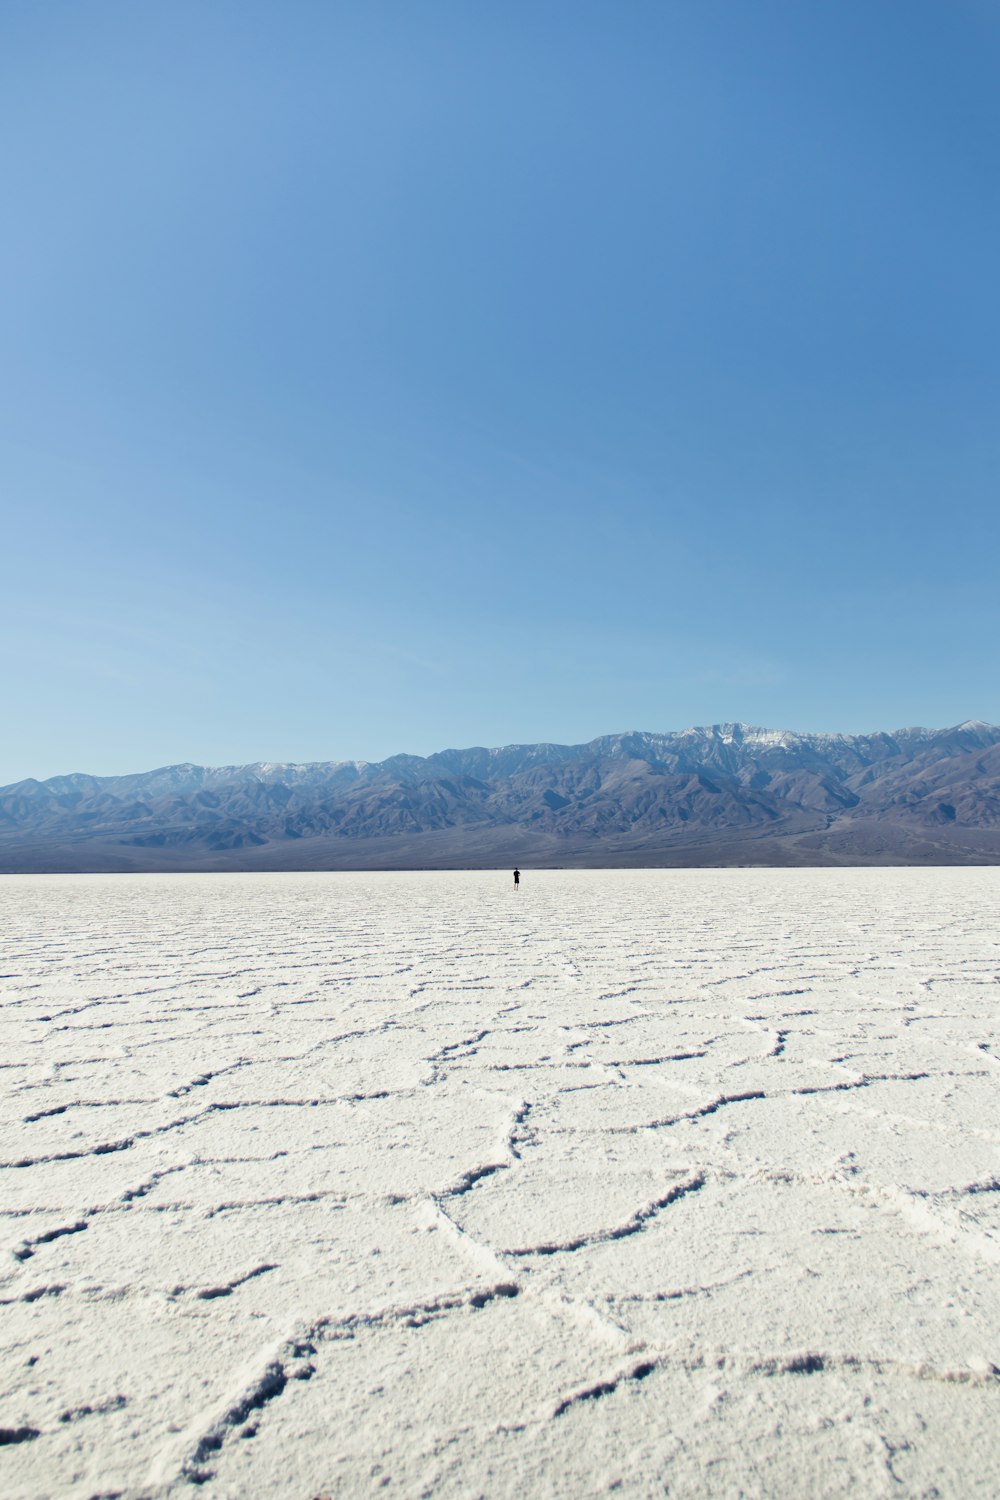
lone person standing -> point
(517, 879)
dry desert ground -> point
(646, 1183)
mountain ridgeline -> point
(729, 794)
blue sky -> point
(381, 377)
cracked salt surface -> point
(640, 1182)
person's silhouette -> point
(517, 879)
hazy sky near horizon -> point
(381, 376)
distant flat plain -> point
(639, 1182)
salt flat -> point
(665, 1182)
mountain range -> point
(730, 794)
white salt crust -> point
(642, 1182)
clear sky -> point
(387, 376)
